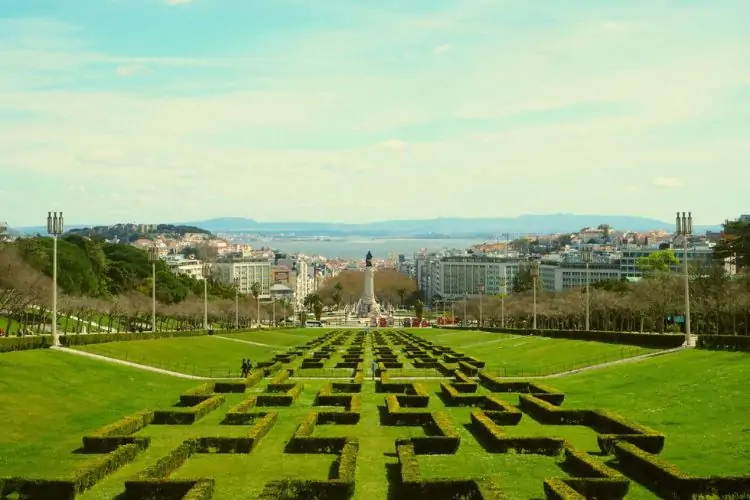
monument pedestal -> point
(367, 307)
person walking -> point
(373, 367)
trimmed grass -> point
(49, 400)
(278, 337)
(699, 399)
(203, 356)
(696, 397)
(524, 356)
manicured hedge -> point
(100, 338)
(669, 482)
(537, 390)
(81, 480)
(197, 394)
(724, 342)
(279, 395)
(339, 485)
(8, 344)
(593, 478)
(244, 444)
(108, 438)
(239, 415)
(653, 340)
(495, 440)
(412, 484)
(189, 415)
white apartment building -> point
(180, 265)
(557, 276)
(302, 282)
(629, 257)
(456, 276)
(248, 271)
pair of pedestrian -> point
(247, 365)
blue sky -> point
(156, 110)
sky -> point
(345, 111)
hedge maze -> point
(462, 417)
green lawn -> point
(204, 356)
(524, 356)
(699, 399)
(279, 337)
(48, 400)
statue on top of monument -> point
(368, 259)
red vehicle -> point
(425, 324)
(415, 323)
(382, 322)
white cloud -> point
(666, 182)
(130, 69)
(395, 144)
(278, 118)
(441, 49)
(177, 2)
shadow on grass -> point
(393, 474)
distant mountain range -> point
(443, 227)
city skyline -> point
(187, 110)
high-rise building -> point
(249, 271)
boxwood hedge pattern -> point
(630, 450)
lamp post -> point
(684, 228)
(586, 255)
(503, 291)
(55, 228)
(153, 257)
(466, 299)
(481, 293)
(273, 309)
(237, 303)
(534, 276)
(206, 272)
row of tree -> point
(720, 302)
(107, 287)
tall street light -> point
(684, 228)
(534, 269)
(503, 291)
(153, 257)
(273, 309)
(481, 293)
(206, 272)
(586, 255)
(466, 299)
(55, 228)
(237, 303)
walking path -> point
(605, 365)
(131, 364)
(196, 377)
(250, 342)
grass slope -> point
(519, 356)
(49, 400)
(698, 398)
(204, 356)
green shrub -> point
(189, 415)
(8, 344)
(101, 338)
(724, 342)
(110, 437)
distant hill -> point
(445, 227)
(123, 232)
(133, 232)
